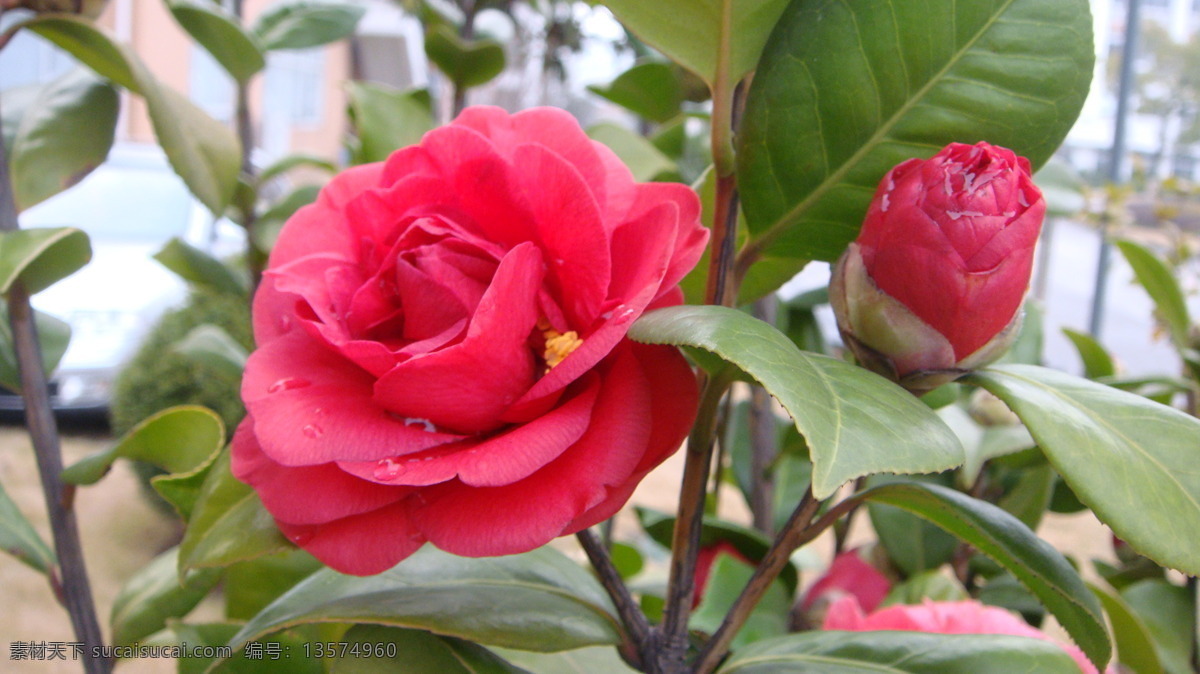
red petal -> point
(360, 545)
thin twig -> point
(797, 532)
(631, 615)
(685, 542)
(43, 432)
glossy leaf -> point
(899, 653)
(856, 423)
(592, 660)
(53, 337)
(387, 119)
(1155, 276)
(228, 523)
(19, 539)
(154, 595)
(643, 159)
(300, 24)
(538, 600)
(199, 268)
(203, 151)
(696, 40)
(726, 578)
(627, 559)
(212, 347)
(468, 63)
(1097, 362)
(16, 101)
(415, 652)
(284, 653)
(178, 440)
(1010, 543)
(1135, 646)
(221, 35)
(66, 131)
(846, 90)
(41, 256)
(250, 586)
(1131, 460)
(912, 543)
(1168, 612)
(649, 89)
(1030, 497)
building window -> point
(293, 85)
(210, 86)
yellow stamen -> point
(558, 345)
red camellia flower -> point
(945, 617)
(936, 278)
(441, 346)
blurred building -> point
(1153, 140)
(298, 103)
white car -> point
(130, 206)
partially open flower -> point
(934, 283)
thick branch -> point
(631, 615)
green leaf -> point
(820, 131)
(913, 544)
(203, 151)
(66, 131)
(689, 31)
(300, 24)
(932, 585)
(643, 159)
(538, 600)
(41, 256)
(649, 89)
(212, 347)
(468, 63)
(53, 337)
(627, 559)
(387, 119)
(220, 34)
(1155, 276)
(293, 161)
(726, 579)
(250, 586)
(19, 539)
(1097, 362)
(16, 102)
(228, 523)
(178, 440)
(198, 267)
(593, 660)
(271, 221)
(900, 653)
(856, 423)
(1030, 497)
(1168, 612)
(392, 649)
(751, 543)
(1010, 543)
(284, 653)
(83, 40)
(1131, 460)
(155, 594)
(1135, 646)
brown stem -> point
(797, 532)
(685, 541)
(256, 260)
(724, 237)
(636, 625)
(841, 529)
(763, 441)
(43, 432)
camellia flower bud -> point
(934, 283)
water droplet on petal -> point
(425, 424)
(302, 537)
(312, 431)
(285, 323)
(287, 384)
(388, 469)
